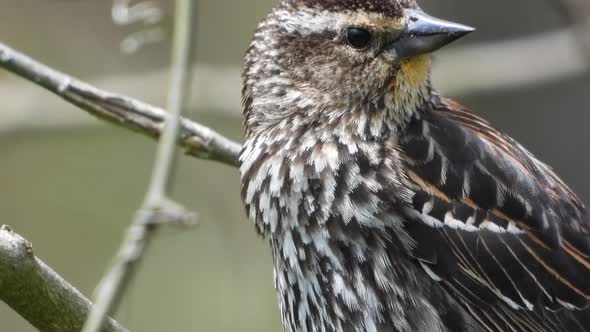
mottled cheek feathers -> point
(343, 50)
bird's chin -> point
(413, 73)
(416, 71)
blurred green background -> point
(72, 188)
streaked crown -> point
(389, 8)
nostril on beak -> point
(425, 34)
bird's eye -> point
(358, 38)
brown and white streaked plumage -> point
(388, 207)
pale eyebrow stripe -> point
(307, 22)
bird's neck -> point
(300, 160)
(318, 116)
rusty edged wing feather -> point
(502, 233)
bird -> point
(387, 206)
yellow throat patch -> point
(412, 74)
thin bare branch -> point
(130, 113)
(38, 293)
(157, 208)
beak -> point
(426, 34)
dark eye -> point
(358, 38)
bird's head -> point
(337, 57)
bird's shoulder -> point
(491, 220)
(465, 158)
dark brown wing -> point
(496, 225)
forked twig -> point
(157, 208)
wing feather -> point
(496, 225)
